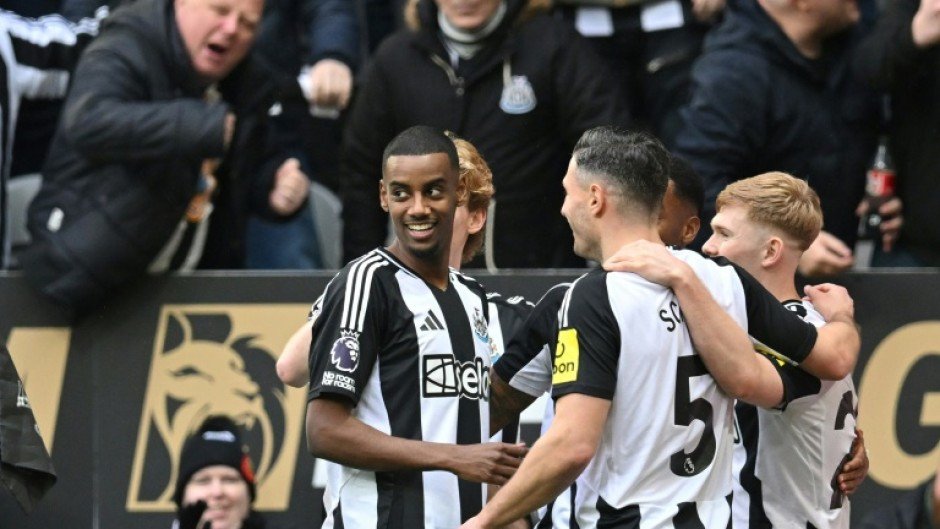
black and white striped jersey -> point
(527, 367)
(664, 460)
(527, 363)
(507, 316)
(38, 56)
(414, 361)
(787, 460)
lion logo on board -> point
(207, 361)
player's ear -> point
(690, 230)
(475, 221)
(773, 251)
(383, 196)
(598, 199)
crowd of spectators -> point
(316, 88)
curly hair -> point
(477, 189)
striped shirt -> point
(414, 362)
(664, 459)
(787, 460)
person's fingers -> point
(505, 471)
(837, 248)
(516, 450)
(290, 165)
(891, 207)
(495, 479)
(862, 208)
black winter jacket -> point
(758, 105)
(889, 59)
(126, 156)
(411, 82)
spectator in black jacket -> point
(773, 92)
(160, 152)
(902, 58)
(518, 84)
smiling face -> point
(420, 194)
(737, 238)
(217, 33)
(575, 210)
(224, 491)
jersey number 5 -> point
(690, 464)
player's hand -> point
(891, 220)
(332, 83)
(830, 300)
(491, 463)
(856, 469)
(826, 257)
(290, 190)
(649, 260)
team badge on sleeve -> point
(479, 326)
(567, 354)
(345, 352)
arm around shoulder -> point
(836, 350)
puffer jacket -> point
(126, 158)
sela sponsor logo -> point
(443, 376)
(335, 380)
(345, 352)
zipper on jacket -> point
(456, 82)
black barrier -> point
(115, 393)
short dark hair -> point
(420, 140)
(635, 163)
(688, 185)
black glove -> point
(189, 515)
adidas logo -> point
(431, 323)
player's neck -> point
(433, 269)
(617, 237)
(779, 283)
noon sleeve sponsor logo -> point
(567, 356)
